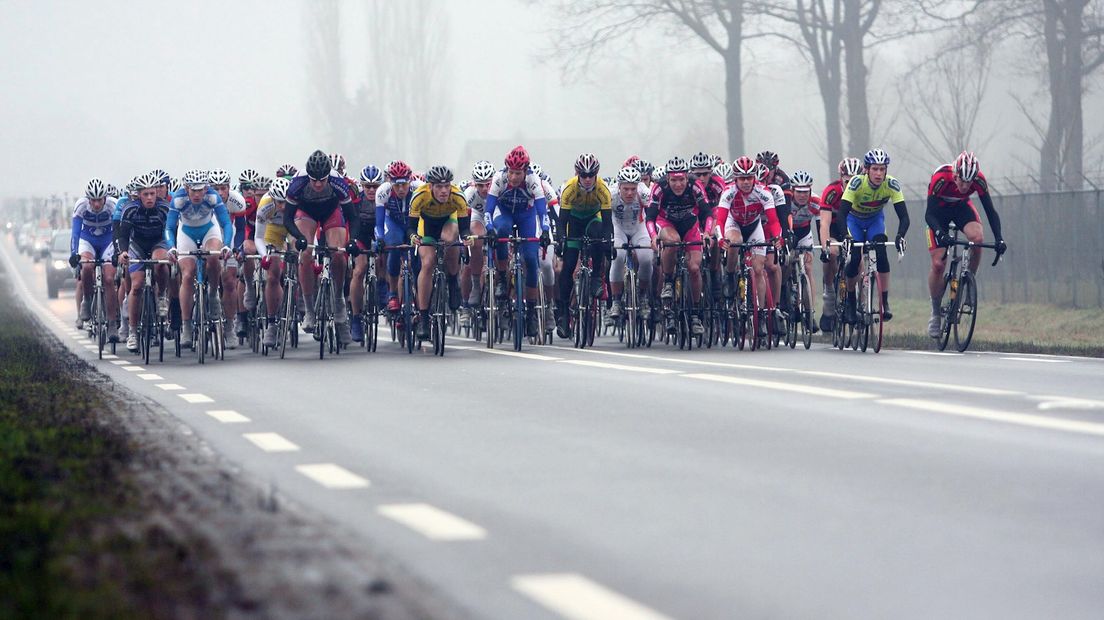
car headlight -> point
(60, 264)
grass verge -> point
(75, 539)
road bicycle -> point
(960, 303)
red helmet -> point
(631, 161)
(744, 167)
(398, 170)
(517, 159)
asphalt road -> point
(665, 484)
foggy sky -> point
(112, 89)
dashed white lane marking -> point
(654, 371)
(1022, 419)
(271, 442)
(530, 356)
(1047, 403)
(332, 476)
(110, 356)
(433, 523)
(92, 347)
(576, 597)
(1041, 360)
(120, 362)
(227, 416)
(196, 398)
(149, 376)
(134, 369)
(784, 387)
(170, 387)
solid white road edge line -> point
(433, 523)
(593, 364)
(573, 596)
(785, 387)
(332, 476)
(1022, 419)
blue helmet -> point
(876, 156)
(371, 174)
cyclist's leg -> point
(876, 233)
(573, 231)
(694, 261)
(188, 239)
(337, 236)
(967, 220)
(473, 271)
(530, 252)
(644, 259)
(393, 235)
(617, 269)
(307, 278)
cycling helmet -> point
(744, 167)
(483, 171)
(659, 173)
(163, 177)
(587, 164)
(149, 180)
(195, 179)
(700, 161)
(248, 179)
(966, 166)
(764, 173)
(715, 160)
(337, 162)
(628, 174)
(371, 175)
(218, 176)
(876, 156)
(95, 189)
(263, 183)
(175, 185)
(850, 166)
(113, 191)
(132, 187)
(318, 166)
(724, 170)
(399, 170)
(438, 174)
(278, 190)
(517, 159)
(767, 158)
(644, 166)
(676, 165)
(801, 180)
(536, 168)
(287, 170)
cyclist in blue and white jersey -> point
(203, 223)
(92, 226)
(235, 207)
(392, 207)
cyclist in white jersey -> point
(628, 205)
(91, 239)
(476, 195)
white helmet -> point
(95, 189)
(628, 174)
(218, 176)
(483, 171)
(195, 178)
(278, 189)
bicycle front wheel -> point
(806, 313)
(967, 312)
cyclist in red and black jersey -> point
(701, 170)
(949, 201)
(832, 229)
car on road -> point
(40, 249)
(58, 272)
(25, 238)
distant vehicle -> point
(58, 272)
(25, 238)
(42, 244)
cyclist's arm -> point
(223, 217)
(170, 226)
(773, 228)
(825, 227)
(930, 217)
(289, 221)
(352, 217)
(903, 218)
(541, 204)
(489, 209)
(844, 211)
(122, 235)
(991, 214)
(259, 228)
(75, 240)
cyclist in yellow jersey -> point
(270, 237)
(585, 210)
(438, 212)
(862, 211)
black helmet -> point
(318, 165)
(438, 174)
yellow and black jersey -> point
(424, 205)
(583, 204)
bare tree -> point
(719, 24)
(945, 96)
(408, 76)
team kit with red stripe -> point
(716, 226)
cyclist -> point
(832, 229)
(949, 201)
(319, 201)
(804, 212)
(203, 222)
(236, 206)
(585, 204)
(740, 214)
(679, 211)
(286, 171)
(371, 178)
(630, 201)
(270, 238)
(518, 197)
(774, 174)
(646, 170)
(776, 256)
(862, 209)
(91, 239)
(392, 206)
(438, 211)
(140, 234)
(482, 175)
(701, 169)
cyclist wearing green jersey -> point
(862, 209)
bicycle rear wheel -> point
(438, 308)
(199, 323)
(806, 311)
(967, 311)
(862, 330)
(145, 331)
(878, 317)
(519, 306)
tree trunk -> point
(830, 95)
(1073, 25)
(1050, 151)
(858, 114)
(734, 112)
